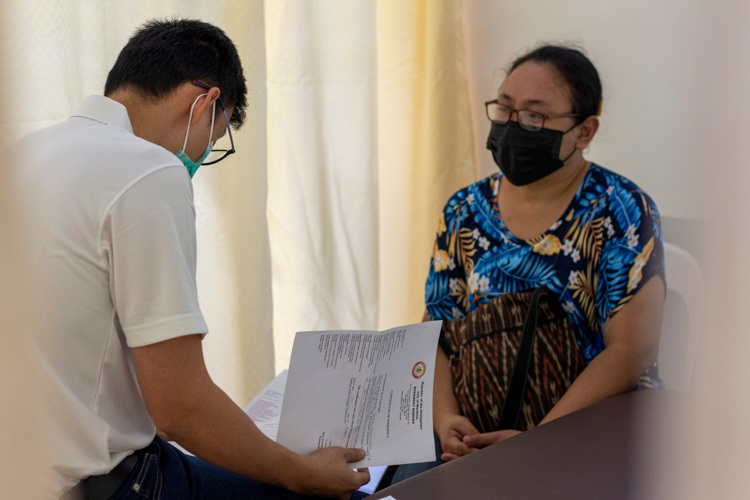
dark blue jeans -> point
(165, 473)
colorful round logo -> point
(418, 369)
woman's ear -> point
(205, 103)
(586, 132)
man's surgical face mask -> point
(190, 165)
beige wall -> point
(646, 55)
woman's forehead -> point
(534, 83)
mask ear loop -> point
(213, 116)
(571, 154)
(574, 147)
(190, 119)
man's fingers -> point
(447, 457)
(352, 455)
(363, 476)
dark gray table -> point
(592, 453)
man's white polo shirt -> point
(111, 224)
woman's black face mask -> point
(525, 156)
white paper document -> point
(265, 408)
(369, 390)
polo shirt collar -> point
(105, 110)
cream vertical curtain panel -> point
(425, 143)
(322, 166)
(369, 132)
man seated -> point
(111, 232)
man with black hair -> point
(111, 229)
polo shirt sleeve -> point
(149, 236)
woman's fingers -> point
(455, 446)
(488, 438)
(452, 432)
(464, 426)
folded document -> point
(356, 389)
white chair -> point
(683, 314)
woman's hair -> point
(577, 70)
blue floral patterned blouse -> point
(605, 247)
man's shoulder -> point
(84, 163)
(87, 149)
(120, 145)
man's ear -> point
(586, 131)
(204, 103)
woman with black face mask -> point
(550, 217)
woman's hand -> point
(477, 441)
(452, 430)
(473, 442)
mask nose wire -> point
(190, 119)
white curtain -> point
(358, 130)
(59, 52)
(369, 132)
(322, 165)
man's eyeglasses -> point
(218, 154)
(528, 120)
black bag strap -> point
(517, 386)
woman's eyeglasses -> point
(532, 121)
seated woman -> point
(550, 217)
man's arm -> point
(185, 403)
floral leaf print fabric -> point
(596, 257)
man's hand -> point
(329, 475)
(185, 404)
(451, 431)
(478, 441)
